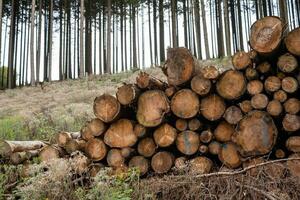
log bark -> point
(179, 66)
(272, 84)
(140, 163)
(114, 158)
(146, 147)
(287, 63)
(255, 87)
(246, 106)
(233, 115)
(291, 123)
(266, 34)
(179, 103)
(214, 148)
(212, 107)
(264, 67)
(200, 85)
(251, 73)
(241, 60)
(181, 124)
(9, 147)
(289, 84)
(274, 108)
(223, 132)
(255, 134)
(227, 86)
(95, 149)
(292, 106)
(194, 124)
(259, 101)
(120, 134)
(292, 41)
(230, 156)
(293, 144)
(106, 108)
(209, 72)
(280, 95)
(152, 106)
(187, 142)
(200, 165)
(162, 162)
(165, 135)
(92, 129)
(127, 94)
(61, 138)
(206, 136)
(146, 81)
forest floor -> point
(39, 112)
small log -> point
(187, 142)
(180, 164)
(179, 66)
(114, 158)
(233, 115)
(200, 165)
(264, 67)
(209, 72)
(206, 136)
(289, 84)
(9, 147)
(181, 124)
(291, 123)
(279, 153)
(292, 41)
(139, 130)
(266, 34)
(61, 138)
(255, 87)
(48, 153)
(287, 63)
(19, 157)
(127, 151)
(259, 101)
(203, 149)
(241, 60)
(274, 108)
(120, 134)
(146, 147)
(141, 163)
(179, 103)
(212, 107)
(93, 128)
(223, 132)
(255, 134)
(170, 91)
(294, 165)
(214, 148)
(251, 73)
(95, 149)
(272, 84)
(194, 124)
(72, 146)
(106, 108)
(152, 106)
(162, 162)
(165, 135)
(227, 86)
(293, 144)
(246, 106)
(230, 156)
(200, 85)
(146, 81)
(280, 95)
(292, 106)
(127, 94)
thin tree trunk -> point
(150, 33)
(11, 46)
(161, 31)
(108, 65)
(21, 48)
(185, 24)
(174, 22)
(100, 44)
(38, 51)
(50, 40)
(1, 8)
(197, 27)
(81, 67)
(134, 48)
(4, 51)
(227, 29)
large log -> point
(179, 66)
(229, 155)
(92, 129)
(95, 149)
(120, 134)
(146, 147)
(152, 106)
(165, 135)
(292, 106)
(255, 134)
(227, 86)
(106, 108)
(212, 107)
(127, 94)
(9, 147)
(201, 85)
(289, 84)
(223, 132)
(287, 63)
(141, 163)
(114, 158)
(233, 115)
(187, 142)
(291, 123)
(293, 144)
(146, 81)
(292, 41)
(241, 60)
(200, 165)
(266, 34)
(272, 84)
(162, 162)
(179, 103)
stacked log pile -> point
(196, 121)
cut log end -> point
(165, 135)
(209, 72)
(106, 108)
(212, 107)
(200, 165)
(272, 84)
(287, 63)
(280, 95)
(292, 41)
(187, 142)
(233, 115)
(181, 124)
(141, 163)
(201, 85)
(291, 123)
(96, 149)
(292, 106)
(229, 155)
(146, 147)
(114, 158)
(289, 84)
(246, 106)
(162, 162)
(259, 101)
(206, 136)
(241, 60)
(274, 108)
(223, 132)
(127, 94)
(194, 124)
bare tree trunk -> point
(50, 40)
(32, 74)
(81, 67)
(108, 65)
(161, 31)
(134, 48)
(38, 51)
(197, 24)
(174, 22)
(1, 7)
(155, 32)
(227, 29)
(11, 46)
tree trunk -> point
(174, 22)
(32, 74)
(161, 31)
(108, 64)
(10, 78)
(205, 35)
(39, 50)
(146, 81)
(50, 41)
(81, 67)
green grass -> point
(13, 128)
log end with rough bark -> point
(200, 165)
(241, 60)
(106, 108)
(95, 149)
(187, 142)
(212, 107)
(292, 41)
(162, 162)
(165, 135)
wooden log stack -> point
(199, 120)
